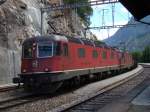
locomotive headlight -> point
(46, 69)
(35, 63)
(34, 44)
(24, 70)
(33, 48)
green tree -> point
(146, 55)
(137, 56)
(83, 12)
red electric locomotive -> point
(48, 61)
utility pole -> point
(45, 4)
(108, 32)
(103, 20)
(103, 16)
(41, 22)
(113, 14)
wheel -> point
(76, 81)
(27, 87)
(43, 88)
(50, 88)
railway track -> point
(109, 94)
(17, 100)
(102, 100)
(8, 88)
(98, 102)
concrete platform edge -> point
(128, 75)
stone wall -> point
(15, 27)
(10, 65)
(21, 19)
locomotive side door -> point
(65, 56)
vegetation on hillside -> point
(83, 12)
(143, 56)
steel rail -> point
(8, 88)
(19, 100)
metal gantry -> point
(77, 5)
(55, 7)
(110, 27)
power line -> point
(55, 7)
(76, 5)
(103, 16)
(110, 27)
(113, 14)
(103, 20)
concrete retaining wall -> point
(9, 65)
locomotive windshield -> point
(27, 51)
(45, 50)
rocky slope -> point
(21, 19)
(135, 38)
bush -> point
(137, 56)
(146, 55)
(143, 56)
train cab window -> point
(81, 52)
(45, 50)
(65, 50)
(95, 54)
(57, 49)
(27, 51)
(104, 54)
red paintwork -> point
(61, 63)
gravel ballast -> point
(51, 104)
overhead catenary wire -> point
(71, 6)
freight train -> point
(48, 61)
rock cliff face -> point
(21, 19)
